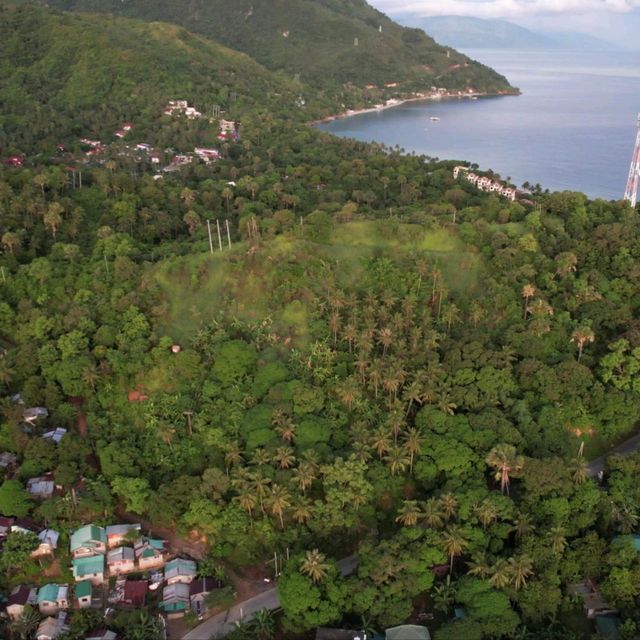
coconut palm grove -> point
(260, 382)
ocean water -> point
(573, 127)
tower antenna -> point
(631, 194)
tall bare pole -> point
(219, 236)
(228, 234)
(210, 239)
(631, 193)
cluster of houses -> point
(181, 107)
(486, 184)
(123, 131)
(98, 553)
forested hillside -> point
(375, 359)
(63, 77)
(326, 42)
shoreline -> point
(397, 102)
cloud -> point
(506, 8)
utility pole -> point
(210, 240)
(219, 236)
(228, 233)
(631, 193)
(189, 415)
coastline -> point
(396, 102)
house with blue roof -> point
(180, 570)
(89, 568)
(52, 598)
(88, 541)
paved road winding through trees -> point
(626, 448)
(223, 623)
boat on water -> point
(434, 119)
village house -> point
(51, 628)
(14, 161)
(7, 460)
(5, 527)
(101, 634)
(457, 170)
(89, 568)
(593, 602)
(175, 600)
(52, 598)
(207, 155)
(127, 126)
(41, 487)
(227, 126)
(121, 560)
(88, 540)
(56, 435)
(117, 533)
(473, 178)
(48, 543)
(135, 593)
(84, 594)
(24, 525)
(199, 589)
(19, 598)
(150, 553)
(180, 570)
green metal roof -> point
(408, 632)
(173, 606)
(84, 589)
(48, 593)
(88, 565)
(89, 535)
(608, 627)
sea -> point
(573, 127)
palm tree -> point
(24, 626)
(304, 476)
(505, 462)
(233, 455)
(385, 338)
(167, 433)
(432, 515)
(260, 486)
(381, 441)
(397, 460)
(10, 241)
(264, 625)
(279, 500)
(247, 500)
(90, 376)
(448, 505)
(187, 196)
(523, 526)
(287, 431)
(558, 539)
(579, 469)
(53, 218)
(528, 291)
(301, 511)
(314, 566)
(284, 457)
(500, 574)
(582, 336)
(453, 544)
(486, 512)
(444, 596)
(413, 393)
(261, 457)
(520, 568)
(409, 513)
(413, 445)
(479, 566)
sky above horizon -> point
(616, 20)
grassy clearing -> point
(198, 287)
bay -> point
(573, 127)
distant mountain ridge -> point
(466, 32)
(319, 42)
